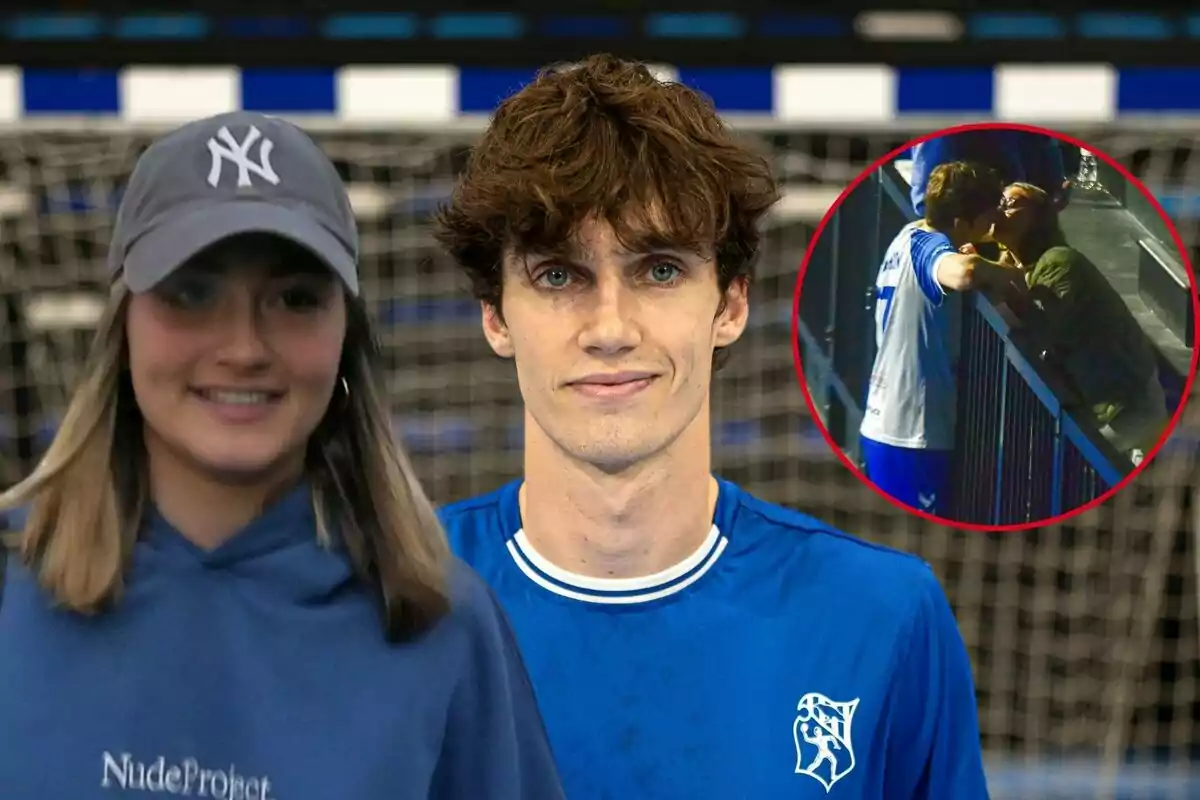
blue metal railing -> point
(836, 324)
(1019, 455)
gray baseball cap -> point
(234, 173)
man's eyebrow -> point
(566, 252)
(654, 241)
(633, 247)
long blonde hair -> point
(88, 496)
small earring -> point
(345, 389)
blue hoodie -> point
(1017, 155)
(259, 671)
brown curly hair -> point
(606, 139)
(961, 190)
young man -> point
(907, 432)
(685, 639)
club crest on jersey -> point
(824, 750)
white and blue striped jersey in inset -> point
(912, 398)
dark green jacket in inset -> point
(1092, 334)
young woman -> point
(229, 583)
(1091, 336)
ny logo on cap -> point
(238, 153)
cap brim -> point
(166, 248)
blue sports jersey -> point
(259, 671)
(1016, 155)
(783, 659)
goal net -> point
(1083, 635)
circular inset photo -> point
(995, 326)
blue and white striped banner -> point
(867, 93)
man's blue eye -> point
(663, 272)
(556, 277)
